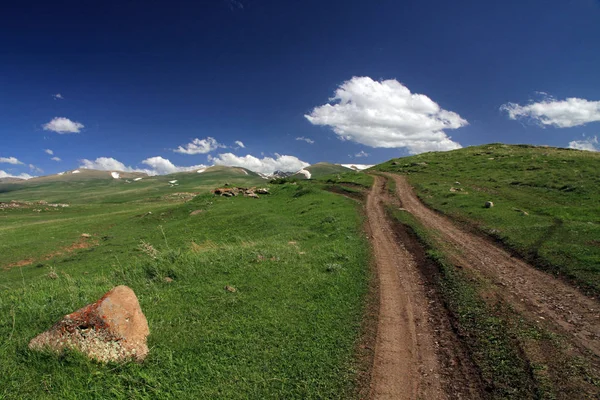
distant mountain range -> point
(83, 174)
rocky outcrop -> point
(238, 191)
(113, 328)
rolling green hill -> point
(546, 200)
(90, 186)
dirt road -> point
(538, 295)
(416, 354)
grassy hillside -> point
(100, 187)
(289, 331)
(546, 200)
(321, 169)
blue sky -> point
(364, 81)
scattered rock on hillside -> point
(111, 329)
(86, 235)
(196, 212)
(489, 204)
(230, 289)
(235, 191)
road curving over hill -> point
(417, 355)
(539, 296)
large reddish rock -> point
(111, 329)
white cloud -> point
(240, 144)
(63, 125)
(10, 160)
(361, 154)
(386, 114)
(48, 151)
(558, 113)
(265, 165)
(162, 166)
(199, 146)
(57, 159)
(305, 139)
(159, 166)
(589, 144)
(104, 164)
(4, 174)
(58, 96)
(35, 169)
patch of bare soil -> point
(538, 296)
(82, 243)
(20, 263)
(338, 189)
(417, 355)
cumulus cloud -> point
(558, 113)
(158, 166)
(58, 96)
(589, 144)
(48, 151)
(10, 160)
(265, 165)
(361, 154)
(104, 164)
(63, 125)
(4, 174)
(240, 144)
(57, 159)
(386, 114)
(200, 146)
(162, 166)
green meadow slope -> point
(100, 187)
(297, 258)
(546, 200)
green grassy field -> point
(296, 257)
(546, 201)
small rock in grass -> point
(86, 235)
(113, 328)
(489, 204)
(196, 212)
(167, 279)
(230, 289)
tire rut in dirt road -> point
(407, 363)
(542, 297)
